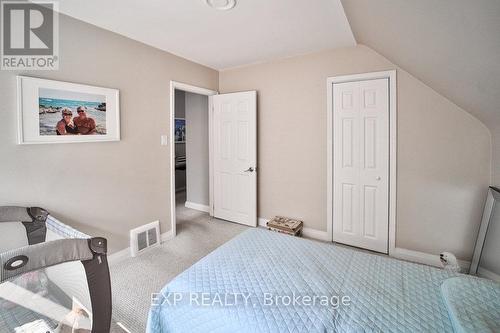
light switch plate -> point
(164, 140)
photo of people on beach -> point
(64, 112)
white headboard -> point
(486, 261)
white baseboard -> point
(119, 256)
(262, 222)
(400, 253)
(195, 206)
(306, 232)
(166, 236)
(125, 253)
(425, 258)
(316, 234)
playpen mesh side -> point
(63, 230)
(56, 295)
(32, 302)
(49, 291)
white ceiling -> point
(451, 45)
(254, 31)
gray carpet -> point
(134, 279)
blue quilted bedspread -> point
(473, 304)
(263, 281)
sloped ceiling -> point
(254, 31)
(451, 45)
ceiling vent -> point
(144, 237)
(221, 4)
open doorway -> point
(190, 137)
(213, 155)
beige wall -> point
(443, 152)
(101, 188)
(108, 188)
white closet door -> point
(361, 164)
(235, 157)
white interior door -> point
(361, 164)
(235, 157)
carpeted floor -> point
(134, 279)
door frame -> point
(171, 142)
(391, 76)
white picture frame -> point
(37, 123)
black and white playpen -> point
(53, 278)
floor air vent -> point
(144, 237)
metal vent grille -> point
(152, 237)
(142, 241)
(144, 237)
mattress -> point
(262, 281)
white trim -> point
(391, 76)
(323, 236)
(210, 156)
(485, 221)
(418, 257)
(125, 253)
(166, 236)
(195, 206)
(196, 90)
(329, 158)
(393, 160)
(119, 256)
(262, 222)
(424, 258)
(306, 232)
(192, 89)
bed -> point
(53, 278)
(263, 268)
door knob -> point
(378, 178)
(250, 169)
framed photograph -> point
(62, 112)
(180, 130)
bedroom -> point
(442, 152)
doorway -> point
(361, 159)
(189, 156)
(213, 155)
